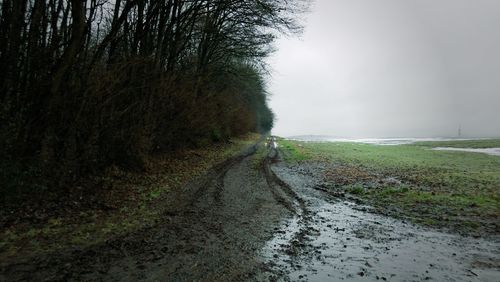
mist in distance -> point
(391, 68)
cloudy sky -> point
(390, 68)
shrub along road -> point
(253, 217)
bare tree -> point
(87, 83)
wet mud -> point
(212, 230)
(335, 239)
(258, 219)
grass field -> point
(458, 190)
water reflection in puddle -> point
(337, 241)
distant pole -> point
(459, 130)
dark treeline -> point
(90, 83)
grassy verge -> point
(127, 202)
(458, 190)
(293, 151)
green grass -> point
(448, 171)
(293, 151)
(438, 187)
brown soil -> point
(257, 219)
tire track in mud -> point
(216, 175)
(213, 189)
(281, 191)
(213, 229)
(295, 246)
(193, 240)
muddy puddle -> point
(332, 240)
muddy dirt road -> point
(257, 219)
(333, 239)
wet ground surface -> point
(254, 219)
(332, 240)
(210, 231)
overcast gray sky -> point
(390, 68)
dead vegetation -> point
(122, 201)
